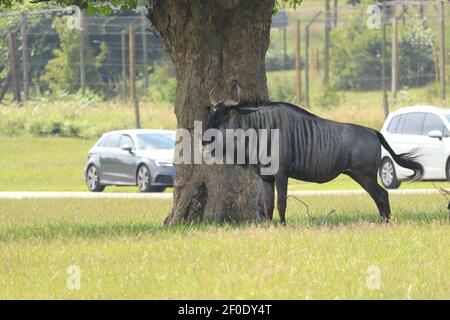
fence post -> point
(383, 62)
(284, 49)
(447, 67)
(442, 52)
(144, 50)
(307, 58)
(394, 65)
(326, 51)
(335, 18)
(298, 64)
(307, 66)
(25, 67)
(124, 62)
(132, 55)
(13, 61)
(404, 10)
(82, 54)
(317, 58)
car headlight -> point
(164, 163)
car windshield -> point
(152, 141)
(448, 117)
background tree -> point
(62, 73)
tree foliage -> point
(356, 55)
(62, 73)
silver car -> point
(142, 158)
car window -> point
(393, 125)
(446, 133)
(103, 141)
(126, 141)
(401, 123)
(432, 122)
(150, 141)
(414, 123)
(113, 141)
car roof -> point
(423, 108)
(137, 131)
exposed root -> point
(191, 207)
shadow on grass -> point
(339, 218)
(296, 220)
(64, 231)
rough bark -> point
(213, 43)
(4, 86)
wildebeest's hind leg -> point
(269, 197)
(378, 194)
(281, 183)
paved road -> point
(126, 195)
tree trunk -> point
(214, 43)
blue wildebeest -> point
(311, 149)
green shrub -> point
(415, 50)
(355, 58)
(275, 58)
(275, 61)
(62, 73)
(328, 98)
(162, 87)
(281, 86)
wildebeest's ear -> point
(246, 110)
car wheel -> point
(387, 174)
(143, 179)
(93, 179)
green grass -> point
(123, 253)
(28, 163)
(57, 164)
(45, 164)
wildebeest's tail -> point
(406, 160)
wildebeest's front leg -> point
(282, 183)
(269, 199)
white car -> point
(424, 131)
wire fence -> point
(340, 49)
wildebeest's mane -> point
(253, 103)
(270, 104)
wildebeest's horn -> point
(239, 92)
(232, 103)
(211, 97)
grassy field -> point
(57, 164)
(121, 251)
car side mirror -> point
(435, 134)
(127, 148)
